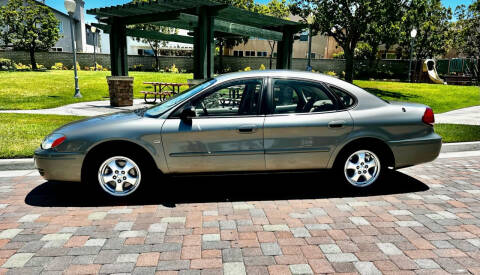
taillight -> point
(428, 116)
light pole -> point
(70, 5)
(94, 31)
(413, 34)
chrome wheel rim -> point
(362, 168)
(119, 176)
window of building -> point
(261, 53)
(247, 53)
(60, 27)
(56, 49)
(240, 53)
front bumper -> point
(415, 151)
(59, 166)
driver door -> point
(225, 135)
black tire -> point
(97, 160)
(371, 152)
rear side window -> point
(346, 99)
(292, 96)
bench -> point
(162, 95)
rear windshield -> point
(161, 108)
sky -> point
(90, 4)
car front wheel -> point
(117, 174)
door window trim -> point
(260, 111)
(270, 97)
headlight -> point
(52, 141)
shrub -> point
(138, 67)
(340, 55)
(78, 67)
(6, 64)
(247, 69)
(21, 67)
(173, 69)
(262, 67)
(331, 73)
(58, 66)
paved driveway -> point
(424, 219)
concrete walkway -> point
(91, 108)
(469, 116)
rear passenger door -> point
(304, 125)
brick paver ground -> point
(424, 219)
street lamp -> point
(70, 6)
(413, 34)
(94, 31)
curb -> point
(28, 163)
(16, 164)
(460, 147)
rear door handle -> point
(336, 124)
(247, 129)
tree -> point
(347, 21)
(28, 26)
(279, 9)
(386, 31)
(467, 36)
(432, 21)
(154, 44)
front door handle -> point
(336, 124)
(247, 129)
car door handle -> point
(247, 129)
(336, 124)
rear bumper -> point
(58, 166)
(415, 151)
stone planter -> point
(120, 89)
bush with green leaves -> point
(6, 64)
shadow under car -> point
(172, 190)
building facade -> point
(83, 35)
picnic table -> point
(164, 90)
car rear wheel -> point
(118, 174)
(360, 166)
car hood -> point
(99, 122)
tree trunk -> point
(220, 58)
(348, 65)
(32, 59)
(271, 52)
(157, 62)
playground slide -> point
(429, 66)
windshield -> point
(161, 108)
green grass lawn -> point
(457, 132)
(21, 134)
(441, 98)
(39, 90)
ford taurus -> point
(247, 121)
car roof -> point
(278, 73)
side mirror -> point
(187, 113)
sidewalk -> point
(90, 108)
(468, 116)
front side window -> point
(292, 96)
(235, 99)
(161, 108)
